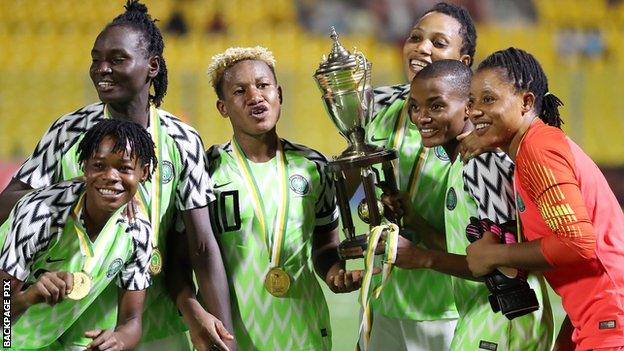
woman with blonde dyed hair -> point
(275, 214)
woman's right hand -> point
(51, 288)
(396, 202)
(470, 146)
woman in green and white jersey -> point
(415, 310)
(482, 188)
(275, 214)
(66, 243)
(129, 73)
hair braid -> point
(126, 134)
(136, 17)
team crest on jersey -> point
(299, 185)
(166, 172)
(520, 203)
(440, 153)
(114, 268)
(451, 199)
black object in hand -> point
(510, 293)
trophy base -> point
(356, 247)
(357, 159)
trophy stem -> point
(368, 183)
(390, 180)
(343, 205)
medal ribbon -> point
(155, 131)
(89, 251)
(398, 136)
(391, 231)
(274, 242)
(113, 243)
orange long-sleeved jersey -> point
(564, 199)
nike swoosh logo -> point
(374, 139)
(50, 260)
(217, 186)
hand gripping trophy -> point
(345, 82)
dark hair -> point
(460, 73)
(126, 134)
(527, 74)
(467, 30)
(136, 17)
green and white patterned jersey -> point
(43, 236)
(185, 186)
(300, 320)
(413, 294)
(483, 189)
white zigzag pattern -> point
(264, 333)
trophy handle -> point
(361, 59)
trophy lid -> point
(339, 58)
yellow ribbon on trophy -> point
(391, 233)
(277, 281)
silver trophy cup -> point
(344, 79)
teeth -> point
(105, 84)
(427, 130)
(258, 111)
(415, 64)
(107, 191)
(481, 125)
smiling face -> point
(120, 68)
(112, 178)
(497, 110)
(438, 108)
(251, 98)
(435, 37)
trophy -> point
(345, 82)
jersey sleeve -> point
(43, 166)
(548, 175)
(488, 178)
(28, 232)
(194, 188)
(325, 208)
(135, 275)
(384, 96)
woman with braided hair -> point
(53, 283)
(129, 72)
(570, 218)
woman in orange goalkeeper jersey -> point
(570, 217)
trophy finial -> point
(333, 34)
(338, 52)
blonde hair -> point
(223, 61)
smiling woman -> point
(129, 73)
(120, 66)
(115, 162)
(112, 244)
(569, 215)
(445, 31)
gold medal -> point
(155, 265)
(82, 286)
(277, 282)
